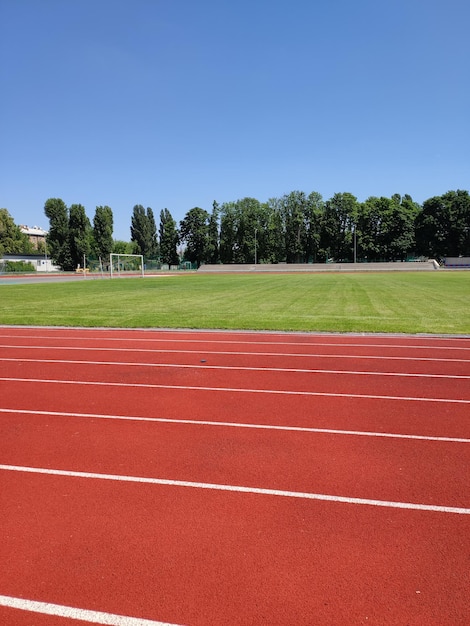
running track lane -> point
(330, 382)
(411, 416)
(458, 612)
(439, 361)
(198, 557)
(387, 468)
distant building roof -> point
(33, 231)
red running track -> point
(233, 478)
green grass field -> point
(398, 302)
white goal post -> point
(125, 264)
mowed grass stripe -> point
(399, 302)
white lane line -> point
(83, 615)
(233, 390)
(237, 368)
(239, 489)
(237, 342)
(301, 429)
(238, 353)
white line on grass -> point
(84, 615)
(239, 489)
(239, 353)
(302, 429)
(234, 390)
(237, 368)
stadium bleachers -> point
(321, 267)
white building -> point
(40, 263)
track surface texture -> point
(209, 478)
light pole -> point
(256, 230)
(355, 244)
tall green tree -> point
(385, 228)
(368, 225)
(442, 228)
(103, 232)
(460, 233)
(250, 231)
(228, 232)
(194, 232)
(337, 226)
(294, 207)
(275, 236)
(79, 234)
(154, 251)
(139, 228)
(301, 225)
(313, 211)
(401, 227)
(263, 223)
(12, 240)
(57, 240)
(169, 238)
(431, 229)
(213, 235)
(144, 232)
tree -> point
(460, 232)
(442, 228)
(143, 232)
(122, 247)
(250, 227)
(401, 227)
(213, 235)
(313, 210)
(168, 238)
(194, 231)
(153, 252)
(385, 228)
(228, 229)
(337, 226)
(293, 207)
(103, 232)
(243, 227)
(275, 246)
(79, 234)
(368, 225)
(12, 240)
(57, 240)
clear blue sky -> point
(176, 103)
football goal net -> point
(126, 264)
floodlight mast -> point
(355, 244)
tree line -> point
(295, 228)
(301, 228)
(71, 238)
